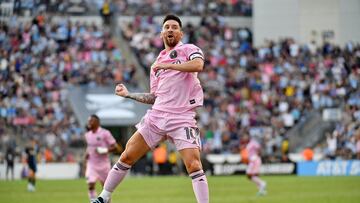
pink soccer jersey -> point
(101, 138)
(253, 148)
(176, 92)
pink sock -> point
(259, 183)
(92, 194)
(115, 176)
(200, 186)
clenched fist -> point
(121, 90)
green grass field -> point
(227, 189)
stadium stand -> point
(39, 60)
(184, 7)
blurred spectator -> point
(160, 159)
(358, 145)
(106, 12)
(285, 150)
(17, 7)
(48, 155)
(308, 154)
(331, 145)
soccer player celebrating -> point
(253, 169)
(175, 92)
(99, 143)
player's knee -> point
(127, 158)
(193, 166)
(31, 173)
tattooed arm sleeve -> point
(146, 98)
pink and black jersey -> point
(101, 138)
(177, 92)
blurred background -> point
(287, 71)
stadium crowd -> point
(39, 60)
(185, 7)
(344, 141)
(138, 7)
(261, 91)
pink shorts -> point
(93, 174)
(157, 126)
(254, 165)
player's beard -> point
(171, 42)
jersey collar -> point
(163, 52)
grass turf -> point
(178, 189)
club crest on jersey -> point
(173, 54)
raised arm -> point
(146, 98)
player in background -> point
(100, 143)
(31, 152)
(10, 160)
(253, 170)
(175, 92)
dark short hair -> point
(95, 116)
(172, 17)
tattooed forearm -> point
(146, 98)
